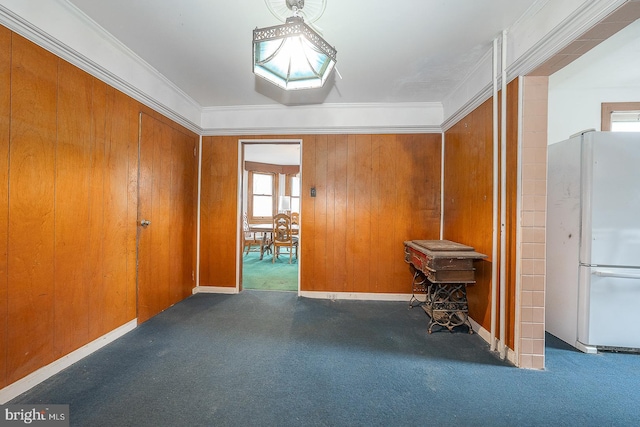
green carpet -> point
(265, 275)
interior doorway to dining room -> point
(270, 179)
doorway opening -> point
(270, 178)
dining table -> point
(267, 230)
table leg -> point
(262, 245)
(418, 284)
(447, 306)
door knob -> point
(145, 223)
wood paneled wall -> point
(219, 211)
(5, 112)
(373, 192)
(68, 214)
(468, 198)
(70, 247)
(513, 95)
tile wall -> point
(533, 219)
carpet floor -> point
(264, 358)
(263, 274)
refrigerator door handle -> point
(605, 273)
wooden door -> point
(166, 216)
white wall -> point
(607, 73)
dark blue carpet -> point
(264, 358)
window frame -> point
(609, 107)
(274, 191)
(289, 185)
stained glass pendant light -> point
(293, 55)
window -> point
(292, 189)
(625, 121)
(620, 116)
(262, 190)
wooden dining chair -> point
(283, 237)
(295, 220)
(249, 238)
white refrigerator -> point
(593, 241)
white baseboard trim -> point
(589, 349)
(511, 357)
(214, 290)
(355, 296)
(17, 388)
(482, 332)
(486, 335)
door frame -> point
(240, 199)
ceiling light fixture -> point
(292, 55)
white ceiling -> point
(388, 51)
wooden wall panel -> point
(513, 96)
(219, 211)
(377, 221)
(349, 220)
(318, 238)
(366, 206)
(72, 175)
(117, 239)
(468, 199)
(308, 224)
(5, 113)
(338, 161)
(207, 229)
(419, 197)
(130, 122)
(68, 181)
(368, 191)
(31, 208)
(362, 241)
(468, 196)
(176, 206)
(385, 165)
(184, 186)
(97, 306)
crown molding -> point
(43, 39)
(323, 130)
(422, 117)
(328, 106)
(572, 27)
(333, 118)
(576, 24)
(409, 117)
(468, 107)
